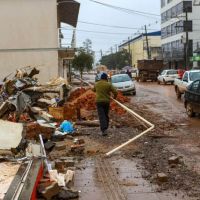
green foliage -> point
(83, 61)
(116, 60)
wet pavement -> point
(123, 182)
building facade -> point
(180, 32)
(137, 47)
(30, 35)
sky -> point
(94, 13)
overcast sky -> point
(95, 13)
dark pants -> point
(103, 112)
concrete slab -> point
(10, 134)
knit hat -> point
(104, 76)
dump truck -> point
(148, 70)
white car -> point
(188, 78)
(168, 76)
(123, 83)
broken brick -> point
(77, 148)
(60, 147)
(50, 191)
(174, 160)
(60, 165)
(161, 177)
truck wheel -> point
(178, 94)
(189, 110)
(158, 82)
(165, 83)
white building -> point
(180, 20)
(30, 35)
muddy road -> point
(131, 173)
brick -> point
(77, 148)
(60, 147)
(161, 177)
(50, 191)
(60, 165)
(174, 160)
(79, 141)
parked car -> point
(188, 78)
(168, 76)
(123, 83)
(192, 98)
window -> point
(162, 3)
(195, 86)
(185, 78)
(172, 72)
(194, 76)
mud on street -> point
(164, 164)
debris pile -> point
(85, 100)
(22, 97)
(39, 122)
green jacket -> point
(103, 91)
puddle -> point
(128, 176)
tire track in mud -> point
(109, 180)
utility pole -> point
(130, 52)
(147, 42)
(101, 52)
(187, 43)
(111, 49)
(116, 46)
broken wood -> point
(42, 90)
(3, 108)
(46, 101)
(45, 115)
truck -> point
(149, 70)
(182, 84)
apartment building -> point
(30, 36)
(180, 32)
(137, 47)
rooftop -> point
(157, 33)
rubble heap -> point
(85, 99)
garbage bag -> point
(67, 126)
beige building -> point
(137, 47)
(30, 35)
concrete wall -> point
(29, 36)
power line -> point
(129, 11)
(98, 32)
(112, 26)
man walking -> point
(103, 91)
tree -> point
(116, 60)
(87, 45)
(83, 61)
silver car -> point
(168, 76)
(123, 83)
